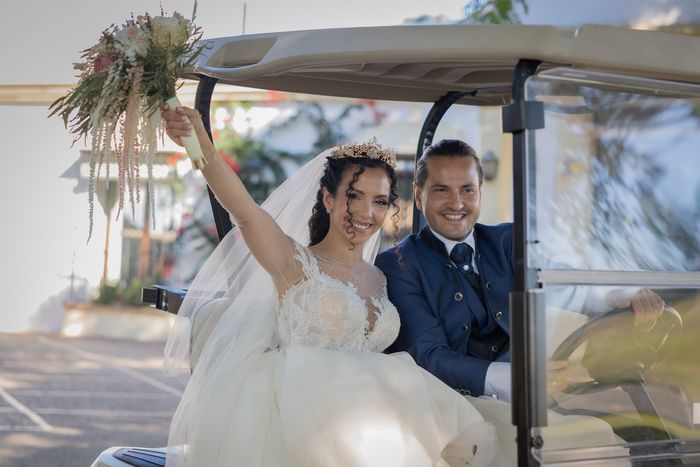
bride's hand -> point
(181, 121)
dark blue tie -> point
(462, 255)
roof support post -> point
(526, 300)
(202, 103)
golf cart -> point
(605, 126)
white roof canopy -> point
(422, 63)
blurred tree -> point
(628, 201)
(263, 168)
(494, 11)
(260, 167)
(329, 131)
(480, 12)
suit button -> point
(499, 315)
(459, 296)
(494, 348)
(465, 328)
(487, 285)
(449, 266)
(464, 392)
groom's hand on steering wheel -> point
(647, 305)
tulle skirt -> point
(307, 407)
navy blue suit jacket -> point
(423, 284)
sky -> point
(44, 228)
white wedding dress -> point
(326, 396)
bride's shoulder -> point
(299, 266)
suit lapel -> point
(472, 302)
(433, 242)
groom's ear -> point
(417, 196)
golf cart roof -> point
(423, 63)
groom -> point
(451, 281)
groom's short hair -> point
(453, 148)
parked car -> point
(605, 125)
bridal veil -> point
(228, 318)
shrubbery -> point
(124, 294)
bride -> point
(291, 371)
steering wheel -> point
(618, 352)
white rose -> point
(169, 31)
(132, 41)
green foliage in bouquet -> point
(124, 80)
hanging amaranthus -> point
(124, 80)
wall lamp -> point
(489, 163)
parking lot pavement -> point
(65, 400)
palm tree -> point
(107, 195)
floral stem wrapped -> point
(125, 79)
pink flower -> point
(132, 41)
(102, 62)
(133, 32)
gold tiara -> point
(371, 150)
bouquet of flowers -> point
(124, 80)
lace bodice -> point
(324, 312)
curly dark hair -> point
(333, 173)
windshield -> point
(617, 184)
(614, 184)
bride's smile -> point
(358, 226)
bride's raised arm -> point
(267, 242)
